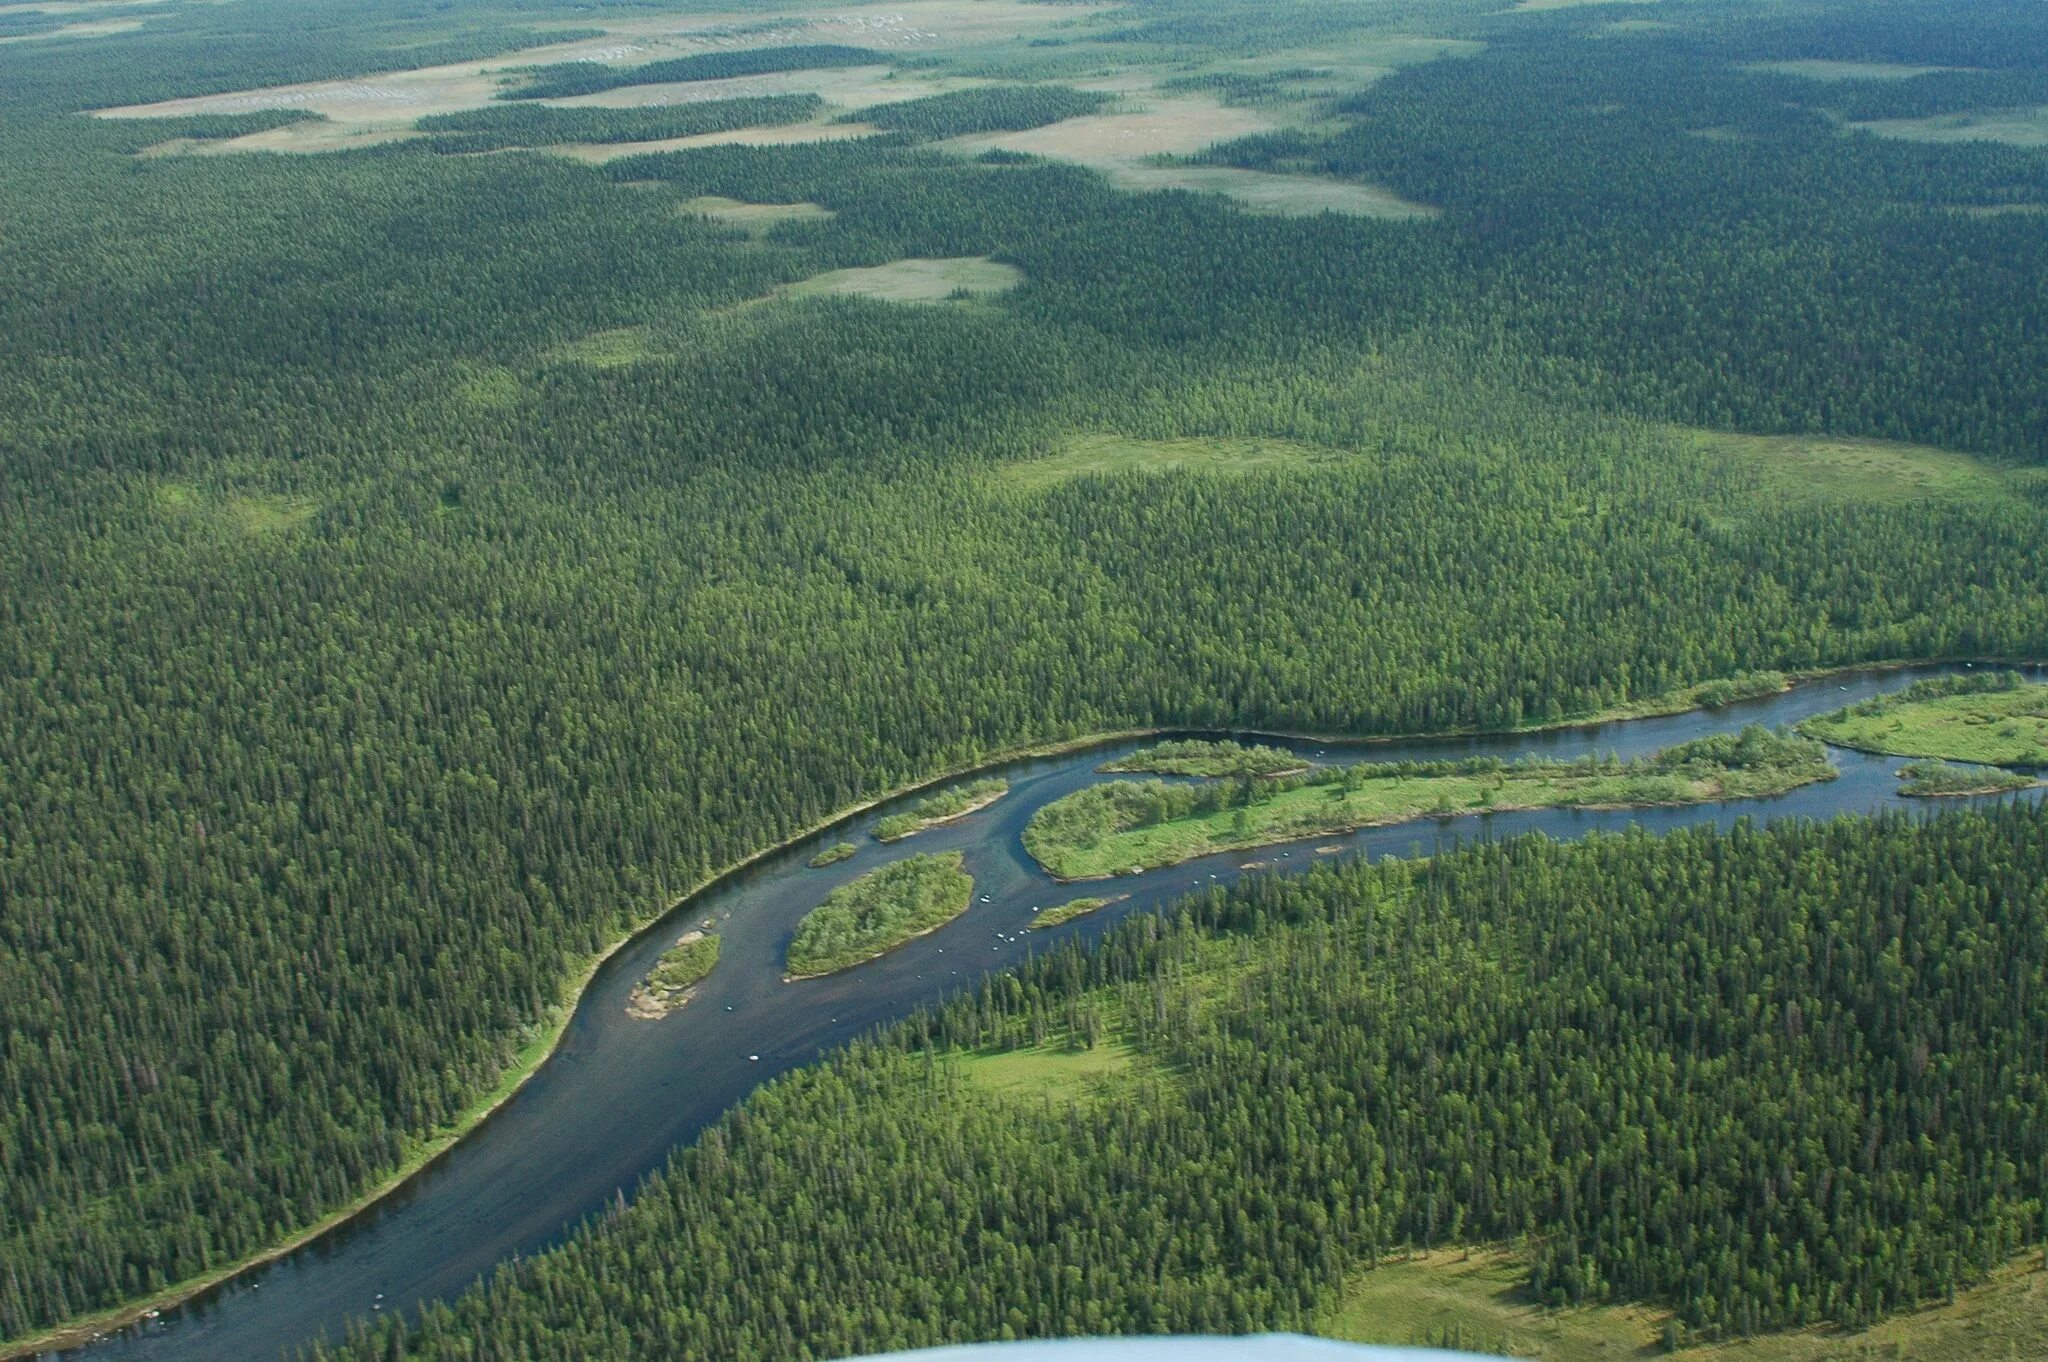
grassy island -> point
(1936, 778)
(1195, 757)
(1993, 718)
(943, 807)
(1122, 826)
(1073, 908)
(879, 912)
(681, 968)
(832, 855)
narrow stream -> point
(620, 1093)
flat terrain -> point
(1993, 728)
(752, 217)
(913, 281)
(1476, 1297)
(1810, 468)
(398, 97)
(1221, 456)
(1847, 70)
(777, 135)
(97, 28)
(1122, 147)
(2015, 127)
(1044, 1073)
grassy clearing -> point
(1847, 70)
(878, 912)
(1196, 757)
(1542, 6)
(1993, 720)
(1044, 1072)
(944, 807)
(1127, 826)
(779, 135)
(95, 28)
(1824, 468)
(914, 281)
(244, 514)
(1071, 909)
(1282, 195)
(2014, 127)
(757, 218)
(1221, 456)
(832, 855)
(611, 349)
(1475, 1299)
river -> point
(620, 1094)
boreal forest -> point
(473, 473)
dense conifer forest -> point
(1769, 1078)
(416, 570)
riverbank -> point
(542, 1038)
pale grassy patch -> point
(1479, 1295)
(843, 87)
(756, 218)
(1043, 1072)
(1811, 468)
(402, 96)
(913, 281)
(611, 349)
(99, 28)
(1216, 456)
(1122, 147)
(1540, 6)
(1847, 70)
(248, 514)
(2015, 127)
(72, 6)
(312, 137)
(781, 135)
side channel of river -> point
(620, 1094)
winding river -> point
(619, 1094)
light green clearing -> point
(1093, 834)
(1223, 456)
(1846, 70)
(1476, 1298)
(99, 28)
(1264, 192)
(913, 281)
(1042, 1072)
(1816, 468)
(878, 912)
(611, 349)
(245, 513)
(1068, 911)
(757, 218)
(1991, 728)
(2015, 127)
(1540, 6)
(945, 807)
(832, 855)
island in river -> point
(946, 806)
(1131, 826)
(878, 912)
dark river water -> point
(620, 1094)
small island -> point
(878, 912)
(673, 980)
(944, 807)
(1195, 757)
(1993, 718)
(832, 855)
(1131, 826)
(1073, 908)
(1937, 779)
